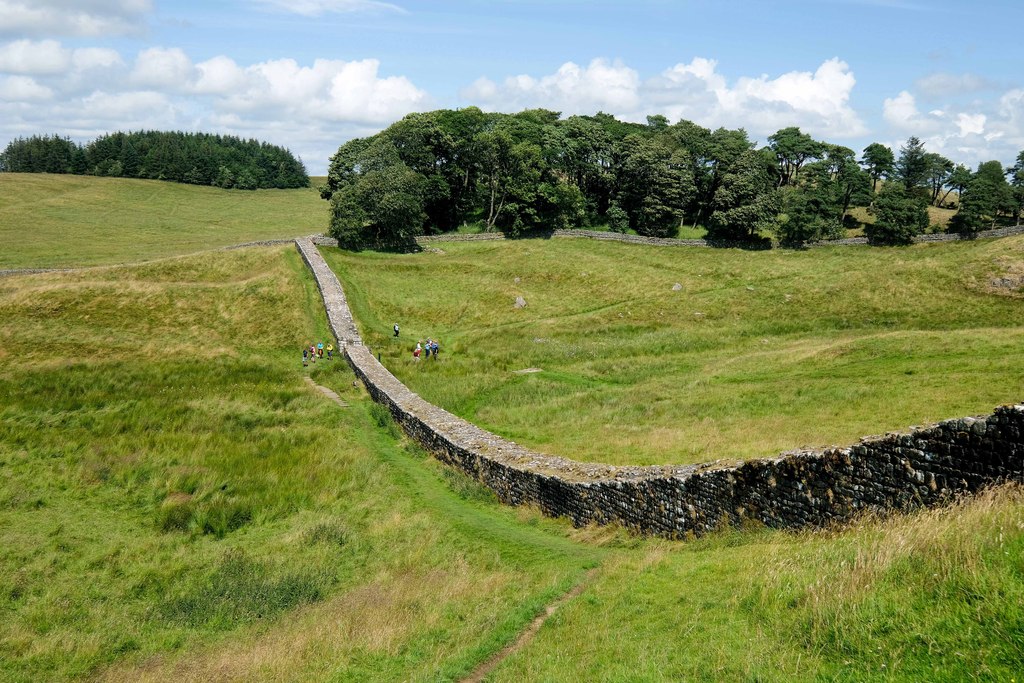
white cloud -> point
(219, 76)
(309, 108)
(901, 113)
(32, 57)
(132, 110)
(49, 58)
(315, 8)
(978, 133)
(818, 101)
(602, 85)
(87, 58)
(23, 89)
(940, 85)
(73, 17)
(163, 68)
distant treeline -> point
(535, 171)
(196, 158)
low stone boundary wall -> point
(925, 466)
(672, 242)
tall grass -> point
(175, 498)
(756, 353)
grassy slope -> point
(64, 220)
(935, 597)
(169, 395)
(759, 352)
(171, 488)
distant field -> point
(758, 353)
(49, 221)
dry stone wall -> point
(925, 466)
(672, 242)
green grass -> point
(171, 488)
(760, 352)
(935, 597)
(49, 221)
(177, 504)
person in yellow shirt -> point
(330, 350)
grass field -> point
(172, 488)
(53, 221)
(177, 504)
(757, 353)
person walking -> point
(396, 329)
(330, 350)
(312, 353)
(305, 355)
(429, 347)
(435, 348)
(320, 350)
(417, 351)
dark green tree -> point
(380, 202)
(1016, 180)
(746, 201)
(957, 182)
(985, 197)
(652, 185)
(792, 150)
(899, 217)
(939, 170)
(912, 165)
(879, 162)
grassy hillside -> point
(172, 490)
(49, 221)
(176, 503)
(757, 353)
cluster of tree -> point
(197, 158)
(534, 171)
(918, 178)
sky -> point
(311, 74)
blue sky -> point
(309, 75)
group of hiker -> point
(431, 347)
(313, 351)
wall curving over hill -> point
(924, 466)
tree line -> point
(196, 158)
(535, 171)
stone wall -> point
(924, 466)
(671, 242)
